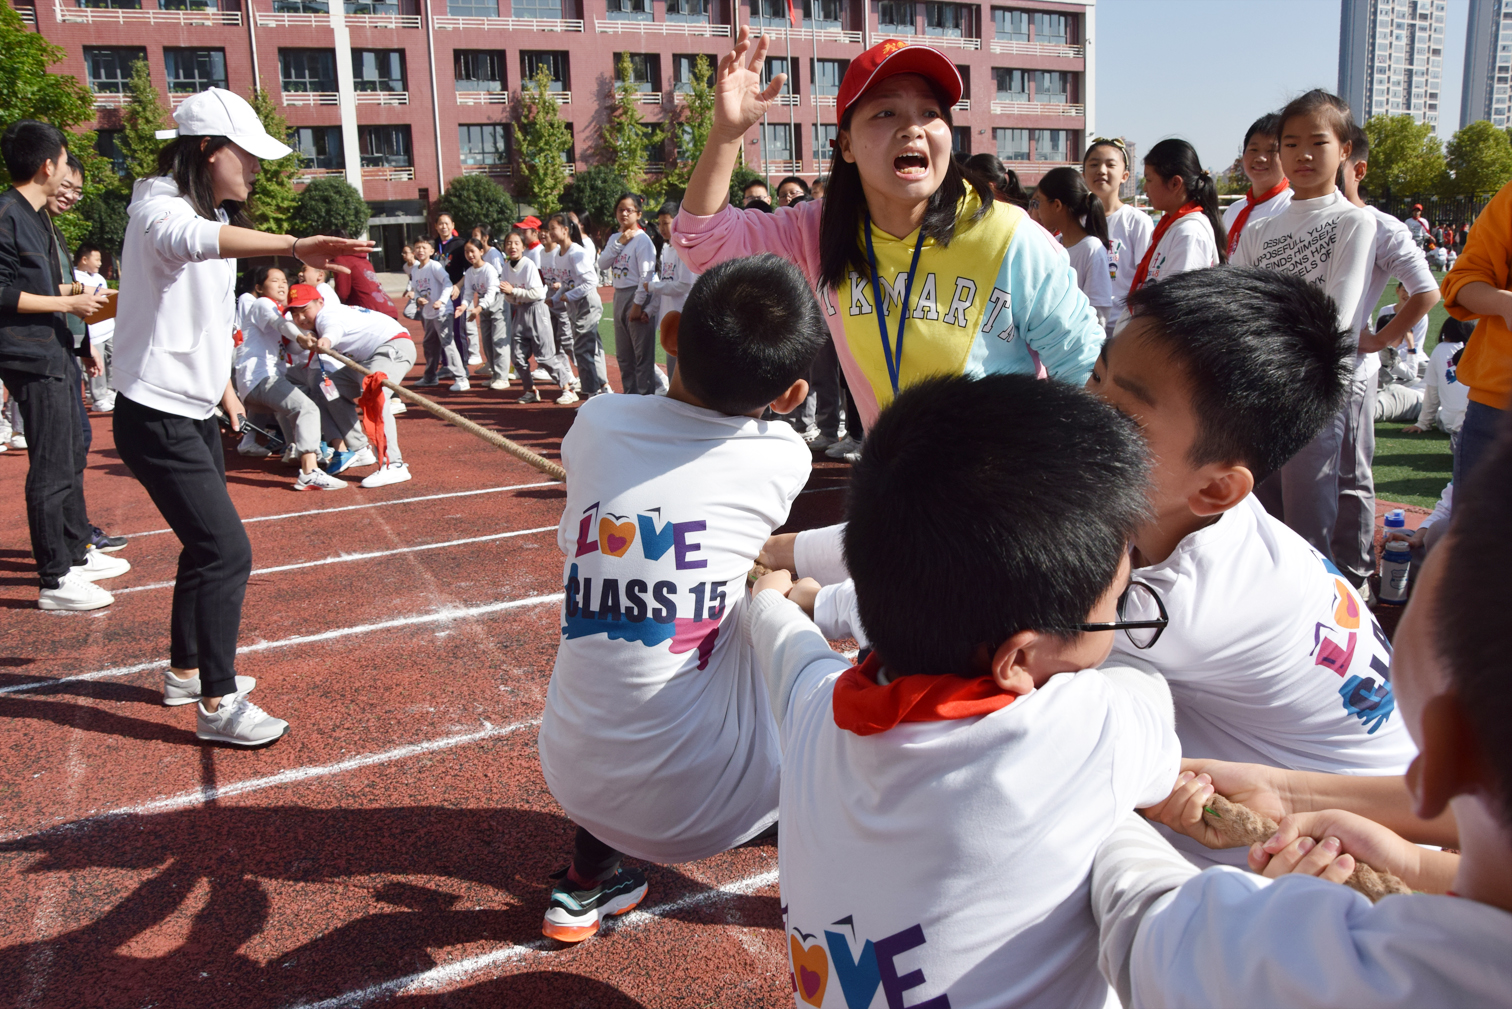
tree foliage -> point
(103, 216)
(1405, 157)
(273, 199)
(594, 192)
(544, 141)
(625, 138)
(472, 200)
(1479, 160)
(692, 128)
(27, 89)
(142, 117)
(330, 205)
(743, 176)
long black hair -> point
(1004, 180)
(186, 160)
(845, 203)
(1068, 186)
(1175, 157)
(573, 231)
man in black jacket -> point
(450, 255)
(37, 363)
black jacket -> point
(40, 344)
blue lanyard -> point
(894, 357)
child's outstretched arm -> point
(785, 643)
(1327, 843)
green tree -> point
(103, 215)
(594, 192)
(1406, 158)
(472, 200)
(692, 129)
(27, 89)
(742, 176)
(544, 141)
(330, 205)
(273, 199)
(1479, 159)
(142, 117)
(626, 140)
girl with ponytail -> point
(1189, 235)
(1064, 204)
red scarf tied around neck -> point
(865, 707)
(1166, 220)
(1251, 201)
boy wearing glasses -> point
(941, 802)
(1270, 654)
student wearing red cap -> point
(985, 290)
(531, 226)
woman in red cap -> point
(900, 223)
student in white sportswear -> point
(87, 263)
(580, 295)
(1189, 234)
(1063, 203)
(1269, 192)
(942, 802)
(1106, 168)
(673, 279)
(630, 258)
(657, 739)
(530, 324)
(430, 287)
(485, 306)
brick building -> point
(399, 96)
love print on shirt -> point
(859, 973)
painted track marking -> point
(347, 558)
(439, 616)
(447, 974)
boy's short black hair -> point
(1471, 610)
(749, 329)
(87, 248)
(984, 507)
(27, 145)
(1263, 353)
(1268, 125)
(1359, 146)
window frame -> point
(554, 56)
(206, 83)
(501, 131)
(122, 83)
(500, 59)
(384, 159)
(360, 80)
(335, 157)
(328, 84)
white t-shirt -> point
(1326, 241)
(1089, 258)
(657, 737)
(1129, 234)
(1396, 255)
(1271, 657)
(1450, 396)
(429, 280)
(1270, 208)
(534, 253)
(357, 332)
(1188, 245)
(672, 282)
(493, 257)
(264, 352)
(99, 332)
(1417, 226)
(482, 281)
(952, 859)
(631, 264)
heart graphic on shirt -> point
(810, 970)
(1347, 613)
(615, 538)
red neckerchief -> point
(535, 245)
(370, 403)
(864, 707)
(1251, 201)
(1166, 220)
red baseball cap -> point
(895, 56)
(530, 222)
(1417, 206)
(301, 295)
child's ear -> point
(669, 325)
(1450, 762)
(1225, 487)
(1011, 663)
(789, 400)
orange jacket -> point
(1486, 367)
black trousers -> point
(179, 462)
(592, 859)
(57, 453)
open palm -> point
(739, 99)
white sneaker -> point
(250, 448)
(73, 594)
(105, 404)
(98, 566)
(18, 441)
(4, 446)
(239, 722)
(568, 398)
(541, 375)
(318, 479)
(396, 405)
(498, 384)
(291, 456)
(577, 385)
(394, 472)
(461, 385)
(840, 448)
(363, 457)
(475, 360)
(178, 691)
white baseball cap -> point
(216, 112)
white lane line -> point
(372, 504)
(347, 558)
(439, 616)
(451, 973)
(201, 796)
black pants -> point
(592, 859)
(179, 462)
(55, 475)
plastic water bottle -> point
(1396, 560)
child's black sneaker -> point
(574, 915)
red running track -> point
(394, 848)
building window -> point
(1011, 26)
(682, 72)
(895, 17)
(546, 9)
(110, 69)
(1012, 85)
(777, 142)
(688, 11)
(372, 7)
(1050, 29)
(320, 147)
(473, 8)
(480, 70)
(779, 65)
(1012, 145)
(301, 7)
(1050, 86)
(823, 134)
(184, 5)
(629, 10)
(378, 70)
(385, 146)
(769, 13)
(827, 75)
(1051, 145)
(960, 140)
(822, 14)
(125, 5)
(555, 64)
(484, 143)
(107, 146)
(306, 70)
(949, 20)
(192, 70)
(645, 71)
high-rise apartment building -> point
(398, 96)
(1391, 57)
(1488, 60)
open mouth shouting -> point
(911, 165)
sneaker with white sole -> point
(542, 375)
(498, 384)
(394, 472)
(74, 594)
(18, 441)
(395, 404)
(105, 404)
(461, 385)
(177, 690)
(574, 915)
(238, 722)
(475, 360)
(568, 398)
(318, 479)
(249, 447)
(364, 456)
(98, 565)
(842, 447)
(577, 385)
(291, 456)
(530, 397)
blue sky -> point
(1240, 59)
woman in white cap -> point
(173, 361)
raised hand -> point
(739, 99)
(319, 250)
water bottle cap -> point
(1396, 519)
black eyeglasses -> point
(1141, 615)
